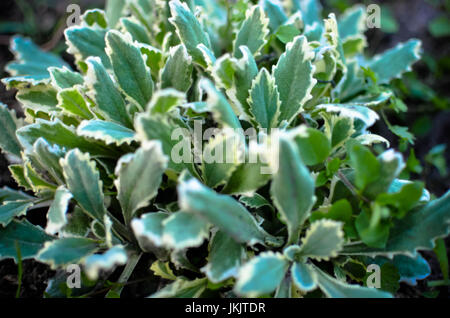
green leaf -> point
(177, 72)
(311, 10)
(31, 63)
(183, 230)
(391, 165)
(78, 224)
(392, 63)
(221, 156)
(153, 58)
(171, 136)
(416, 231)
(147, 164)
(292, 188)
(163, 270)
(336, 289)
(353, 22)
(164, 100)
(148, 230)
(264, 100)
(403, 200)
(182, 288)
(40, 98)
(83, 41)
(304, 276)
(314, 147)
(63, 78)
(188, 29)
(114, 10)
(439, 27)
(275, 12)
(195, 198)
(56, 133)
(8, 138)
(105, 262)
(219, 106)
(294, 78)
(56, 215)
(252, 33)
(131, 72)
(105, 94)
(83, 181)
(352, 110)
(7, 194)
(323, 240)
(261, 275)
(12, 209)
(72, 102)
(30, 238)
(67, 251)
(286, 33)
(107, 132)
(367, 168)
(224, 259)
(136, 29)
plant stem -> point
(19, 269)
(128, 270)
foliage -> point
(96, 147)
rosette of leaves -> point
(95, 150)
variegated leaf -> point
(261, 275)
(224, 259)
(72, 102)
(62, 77)
(131, 72)
(9, 124)
(294, 78)
(177, 72)
(83, 181)
(195, 198)
(292, 188)
(56, 215)
(105, 262)
(253, 32)
(139, 176)
(108, 132)
(184, 230)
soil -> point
(36, 275)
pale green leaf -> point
(137, 31)
(148, 230)
(352, 110)
(163, 270)
(275, 13)
(314, 147)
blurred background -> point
(425, 91)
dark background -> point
(426, 92)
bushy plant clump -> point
(97, 150)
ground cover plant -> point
(96, 149)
